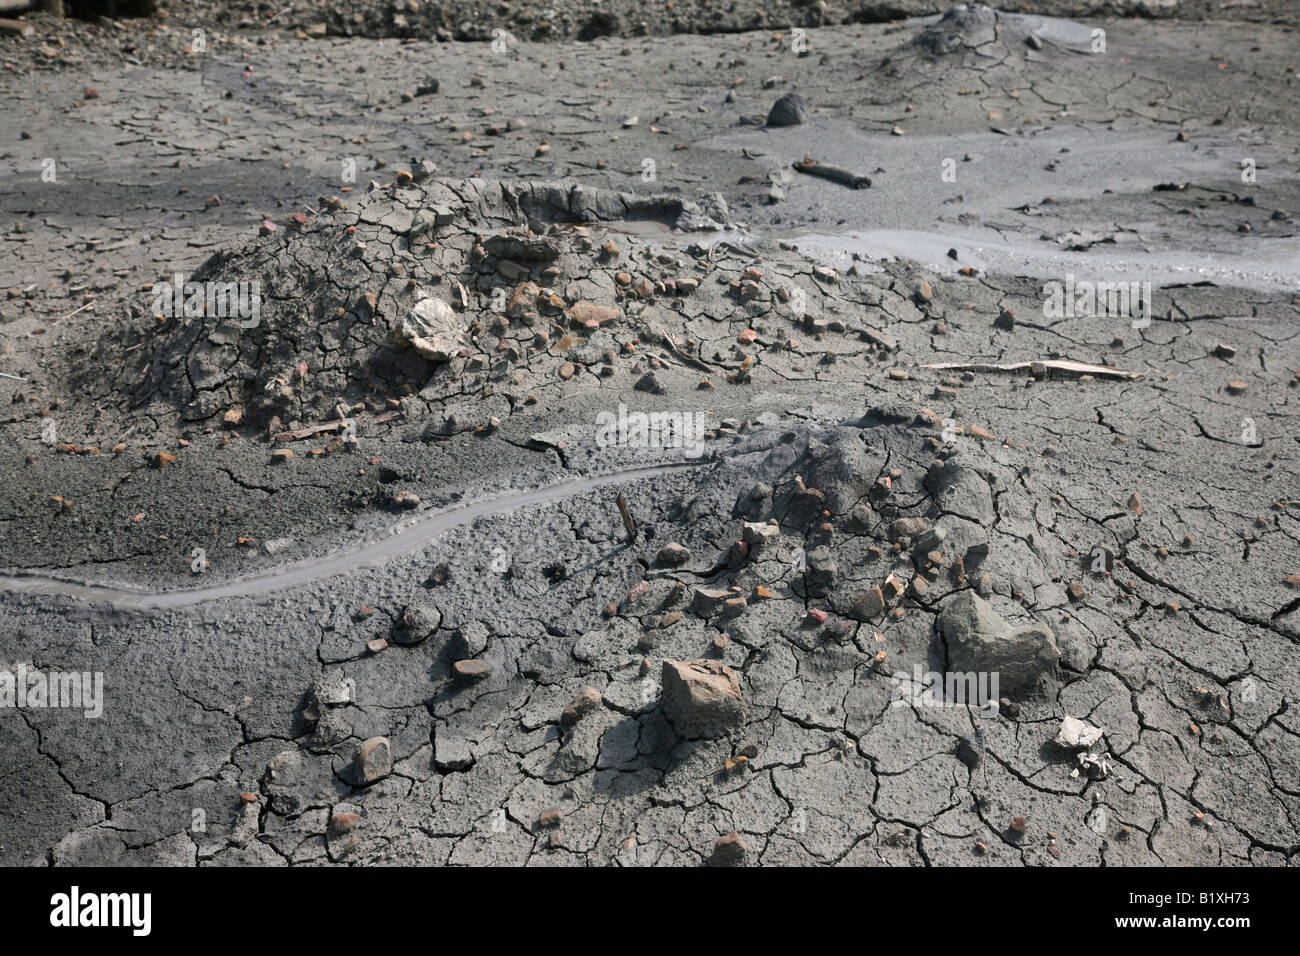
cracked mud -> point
(594, 462)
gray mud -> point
(353, 568)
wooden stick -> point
(836, 174)
(628, 524)
(75, 311)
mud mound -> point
(883, 517)
(417, 290)
(964, 27)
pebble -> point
(373, 761)
(588, 699)
(729, 850)
(468, 672)
(673, 554)
(550, 819)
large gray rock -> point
(701, 699)
(979, 640)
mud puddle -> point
(1268, 267)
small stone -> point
(970, 749)
(373, 761)
(419, 623)
(431, 329)
(469, 672)
(588, 699)
(870, 605)
(1076, 734)
(789, 110)
(343, 822)
(649, 382)
(729, 850)
(162, 459)
(673, 554)
(591, 315)
(550, 819)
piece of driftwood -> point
(1041, 367)
(836, 174)
(298, 434)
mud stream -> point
(399, 539)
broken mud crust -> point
(433, 480)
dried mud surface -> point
(576, 225)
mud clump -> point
(967, 26)
(408, 294)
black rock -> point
(970, 749)
(787, 111)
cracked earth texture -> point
(439, 338)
